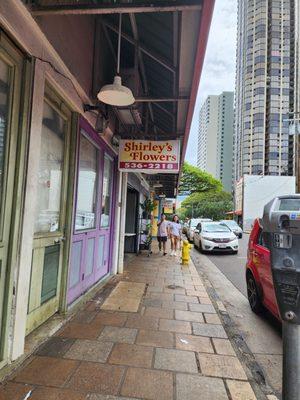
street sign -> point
(149, 156)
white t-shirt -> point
(175, 228)
(162, 229)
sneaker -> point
(165, 254)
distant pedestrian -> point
(175, 233)
(162, 234)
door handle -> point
(59, 240)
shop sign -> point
(168, 205)
(149, 156)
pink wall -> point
(73, 39)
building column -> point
(122, 222)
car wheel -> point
(254, 296)
(235, 252)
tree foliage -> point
(193, 180)
(206, 197)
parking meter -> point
(281, 233)
(281, 230)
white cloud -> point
(218, 73)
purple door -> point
(90, 252)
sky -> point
(218, 72)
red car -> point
(259, 278)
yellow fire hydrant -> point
(185, 257)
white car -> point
(213, 236)
(192, 226)
(233, 226)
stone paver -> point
(55, 347)
(188, 316)
(194, 343)
(221, 366)
(212, 319)
(175, 305)
(81, 331)
(209, 330)
(142, 322)
(112, 319)
(115, 334)
(223, 346)
(95, 377)
(159, 312)
(47, 393)
(89, 350)
(148, 384)
(14, 391)
(240, 390)
(155, 338)
(192, 387)
(132, 355)
(174, 326)
(204, 308)
(187, 299)
(108, 397)
(47, 371)
(175, 360)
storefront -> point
(91, 248)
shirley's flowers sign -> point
(149, 155)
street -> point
(261, 333)
(233, 266)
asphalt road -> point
(233, 265)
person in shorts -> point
(175, 233)
(162, 234)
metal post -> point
(291, 361)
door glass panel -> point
(47, 213)
(4, 105)
(87, 186)
(75, 264)
(50, 272)
(106, 192)
(90, 256)
(101, 242)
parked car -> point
(192, 226)
(233, 226)
(259, 278)
(213, 236)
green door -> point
(11, 67)
(50, 212)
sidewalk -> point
(156, 336)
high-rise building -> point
(215, 137)
(265, 93)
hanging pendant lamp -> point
(116, 94)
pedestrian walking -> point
(162, 234)
(175, 233)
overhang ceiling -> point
(160, 41)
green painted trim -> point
(63, 306)
(23, 120)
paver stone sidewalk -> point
(157, 336)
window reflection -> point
(50, 171)
(106, 192)
(87, 185)
(4, 98)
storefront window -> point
(87, 185)
(49, 189)
(106, 191)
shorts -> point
(162, 239)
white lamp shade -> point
(116, 94)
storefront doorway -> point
(132, 221)
(50, 212)
(93, 220)
(11, 67)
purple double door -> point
(93, 213)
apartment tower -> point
(215, 137)
(265, 88)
